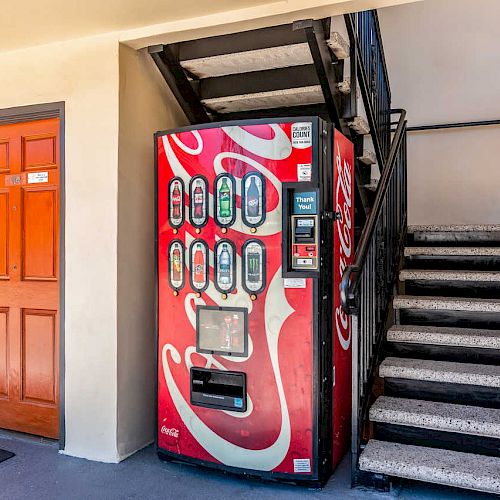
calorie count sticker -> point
(301, 135)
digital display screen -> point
(305, 223)
(221, 330)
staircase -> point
(438, 419)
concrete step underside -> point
(445, 417)
(440, 371)
(452, 468)
(445, 336)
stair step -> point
(454, 228)
(451, 468)
(446, 303)
(446, 275)
(440, 371)
(437, 416)
(265, 100)
(446, 336)
(452, 251)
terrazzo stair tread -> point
(432, 465)
(443, 335)
(452, 251)
(452, 228)
(446, 303)
(446, 275)
(438, 416)
(440, 371)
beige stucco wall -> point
(84, 74)
(444, 66)
(146, 106)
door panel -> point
(29, 275)
(38, 232)
(38, 379)
(4, 360)
(39, 151)
(4, 234)
(4, 156)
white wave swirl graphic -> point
(277, 310)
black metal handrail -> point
(367, 48)
(367, 284)
(439, 126)
(349, 285)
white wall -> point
(84, 74)
(146, 106)
(444, 66)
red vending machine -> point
(254, 230)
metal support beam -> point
(256, 81)
(262, 38)
(324, 62)
(176, 79)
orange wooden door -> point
(29, 277)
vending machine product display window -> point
(198, 201)
(176, 202)
(253, 199)
(224, 200)
(198, 265)
(176, 268)
(222, 330)
(253, 263)
(225, 266)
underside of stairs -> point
(436, 410)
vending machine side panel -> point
(343, 168)
(236, 356)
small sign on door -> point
(38, 177)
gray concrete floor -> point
(39, 472)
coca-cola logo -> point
(176, 198)
(169, 431)
(252, 203)
(344, 224)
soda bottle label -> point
(176, 260)
(253, 203)
(253, 266)
(198, 197)
(224, 276)
(176, 203)
(199, 266)
(224, 200)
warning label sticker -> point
(304, 171)
(302, 135)
(301, 465)
(294, 282)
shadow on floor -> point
(39, 472)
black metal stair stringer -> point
(179, 84)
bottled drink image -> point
(224, 199)
(226, 328)
(176, 201)
(198, 201)
(253, 198)
(198, 267)
(253, 266)
(176, 265)
(224, 266)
